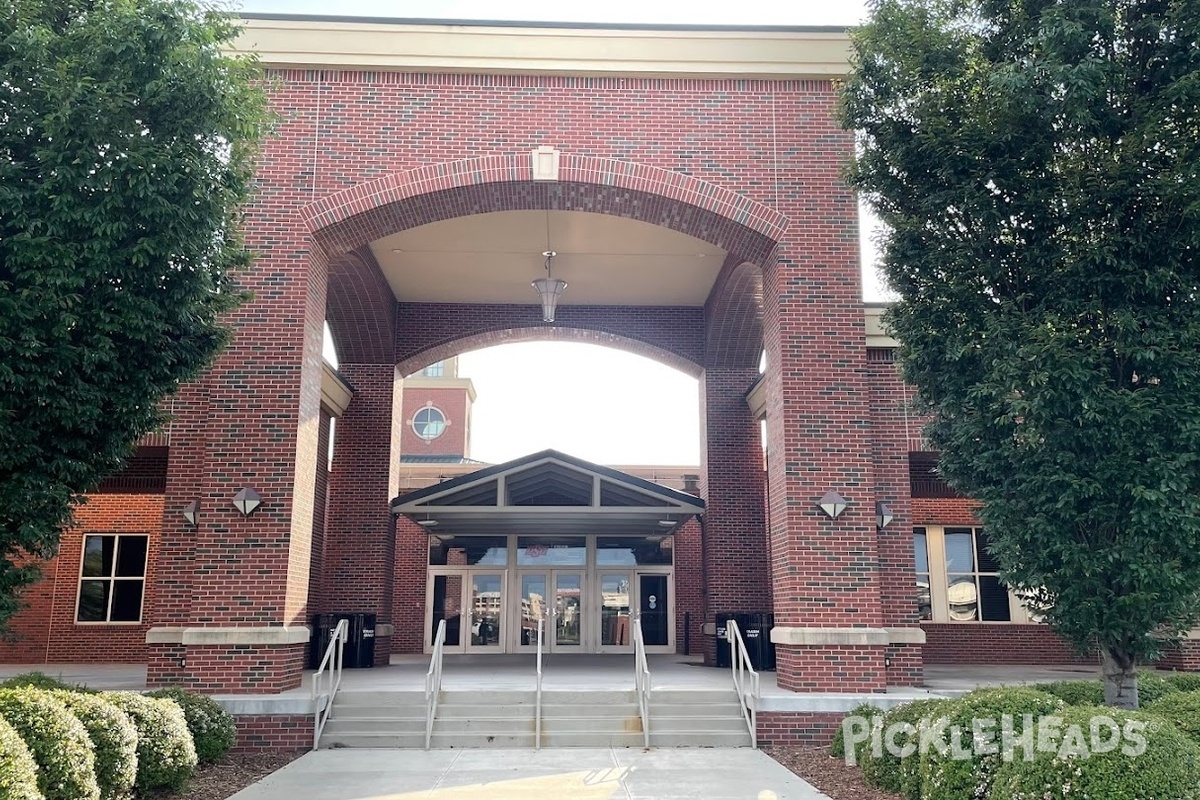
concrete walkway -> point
(560, 774)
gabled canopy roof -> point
(548, 493)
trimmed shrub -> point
(837, 748)
(18, 770)
(947, 777)
(212, 727)
(1183, 711)
(37, 680)
(57, 741)
(1185, 681)
(114, 740)
(883, 769)
(166, 756)
(1166, 770)
(1152, 686)
(1075, 693)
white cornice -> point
(507, 49)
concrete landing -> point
(579, 774)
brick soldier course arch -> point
(392, 203)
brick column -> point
(735, 563)
(890, 431)
(830, 633)
(360, 540)
(230, 595)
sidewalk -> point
(559, 774)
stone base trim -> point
(226, 636)
(816, 637)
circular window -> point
(429, 423)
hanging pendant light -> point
(549, 289)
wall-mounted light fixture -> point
(246, 501)
(427, 523)
(883, 515)
(191, 513)
(832, 504)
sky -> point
(593, 402)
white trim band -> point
(224, 636)
(827, 637)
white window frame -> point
(939, 582)
(111, 578)
(429, 407)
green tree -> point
(126, 145)
(1038, 165)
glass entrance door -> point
(654, 609)
(568, 612)
(615, 607)
(486, 603)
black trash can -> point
(318, 642)
(360, 646)
(724, 656)
(759, 646)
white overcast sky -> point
(603, 405)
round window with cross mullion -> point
(429, 423)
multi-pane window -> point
(957, 579)
(112, 578)
(973, 587)
(435, 370)
(429, 423)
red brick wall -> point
(452, 403)
(944, 511)
(689, 596)
(981, 643)
(47, 631)
(273, 732)
(735, 558)
(1185, 656)
(797, 729)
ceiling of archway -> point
(491, 258)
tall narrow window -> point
(112, 578)
(973, 588)
(921, 559)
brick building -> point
(688, 180)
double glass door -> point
(557, 597)
(472, 603)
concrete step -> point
(338, 725)
(700, 739)
(722, 724)
(373, 741)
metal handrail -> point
(333, 660)
(537, 718)
(741, 668)
(433, 681)
(641, 678)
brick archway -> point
(346, 220)
(433, 331)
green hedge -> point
(947, 777)
(1185, 681)
(1167, 770)
(1183, 711)
(166, 754)
(212, 727)
(883, 769)
(1075, 693)
(114, 740)
(38, 680)
(57, 740)
(837, 747)
(18, 770)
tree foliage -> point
(126, 146)
(1038, 165)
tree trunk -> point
(1120, 678)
